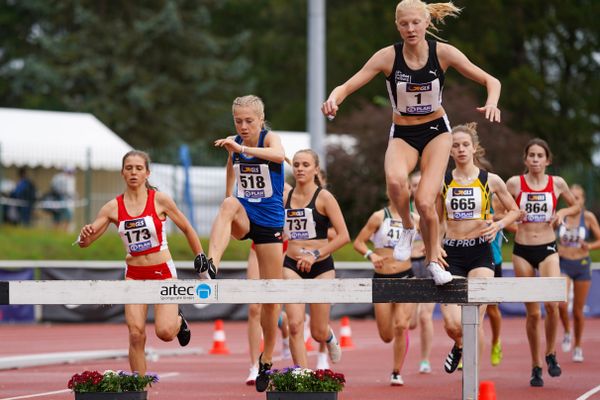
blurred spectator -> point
(25, 192)
(62, 188)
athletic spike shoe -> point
(396, 379)
(424, 367)
(496, 355)
(403, 247)
(536, 377)
(184, 335)
(553, 367)
(262, 379)
(440, 275)
(251, 379)
(204, 267)
(566, 343)
(335, 351)
(322, 361)
(578, 355)
(453, 359)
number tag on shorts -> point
(138, 234)
(392, 229)
(253, 181)
(463, 203)
(418, 98)
(299, 224)
(538, 207)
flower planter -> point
(111, 396)
(302, 395)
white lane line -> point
(30, 396)
(587, 394)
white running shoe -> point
(322, 361)
(333, 346)
(566, 343)
(403, 247)
(251, 379)
(396, 380)
(285, 349)
(578, 355)
(440, 275)
(424, 367)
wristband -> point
(368, 254)
(316, 254)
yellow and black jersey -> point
(466, 202)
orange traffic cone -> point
(219, 346)
(487, 390)
(346, 333)
(307, 336)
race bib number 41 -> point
(253, 181)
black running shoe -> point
(553, 367)
(453, 359)
(536, 377)
(262, 379)
(184, 335)
(204, 267)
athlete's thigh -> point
(434, 162)
(240, 225)
(384, 316)
(135, 315)
(522, 267)
(580, 293)
(270, 260)
(252, 270)
(451, 313)
(550, 267)
(319, 313)
(403, 312)
(165, 315)
(400, 158)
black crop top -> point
(295, 223)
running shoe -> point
(403, 247)
(204, 267)
(553, 367)
(496, 356)
(424, 367)
(440, 275)
(459, 365)
(578, 355)
(333, 346)
(184, 335)
(567, 343)
(453, 359)
(251, 379)
(285, 351)
(396, 379)
(262, 379)
(536, 377)
(322, 361)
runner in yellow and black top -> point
(465, 204)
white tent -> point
(51, 139)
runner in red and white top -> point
(536, 194)
(139, 214)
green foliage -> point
(110, 381)
(297, 379)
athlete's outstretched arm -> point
(90, 232)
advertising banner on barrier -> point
(16, 313)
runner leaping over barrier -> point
(469, 293)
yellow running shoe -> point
(496, 356)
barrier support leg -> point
(470, 357)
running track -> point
(367, 366)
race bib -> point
(253, 181)
(392, 229)
(299, 224)
(538, 207)
(418, 98)
(571, 237)
(464, 203)
(138, 234)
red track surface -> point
(367, 366)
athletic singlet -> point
(572, 237)
(259, 186)
(466, 202)
(538, 204)
(497, 242)
(143, 234)
(305, 223)
(416, 92)
(388, 233)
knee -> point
(396, 183)
(296, 327)
(534, 317)
(137, 337)
(400, 327)
(254, 311)
(551, 309)
(229, 207)
(453, 330)
(426, 206)
(166, 334)
(320, 334)
(386, 337)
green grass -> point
(38, 244)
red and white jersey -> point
(539, 205)
(143, 234)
